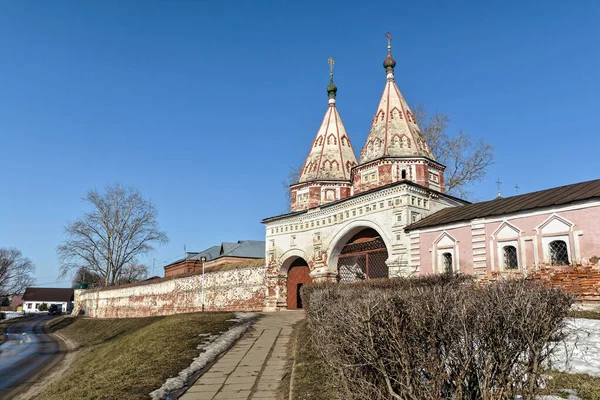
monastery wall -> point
(240, 289)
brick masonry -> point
(583, 282)
(240, 289)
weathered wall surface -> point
(241, 289)
(583, 282)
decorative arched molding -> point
(555, 224)
(287, 258)
(345, 233)
(445, 240)
(443, 243)
(506, 230)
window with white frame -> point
(509, 256)
(559, 252)
(447, 263)
(446, 259)
(557, 249)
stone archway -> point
(298, 274)
(348, 233)
(362, 256)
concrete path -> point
(254, 366)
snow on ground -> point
(214, 346)
(13, 314)
(581, 351)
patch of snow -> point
(13, 314)
(581, 351)
(215, 345)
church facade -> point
(348, 215)
(386, 214)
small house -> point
(34, 297)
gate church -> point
(348, 215)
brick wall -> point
(240, 289)
(581, 281)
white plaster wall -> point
(319, 234)
(233, 290)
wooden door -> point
(297, 276)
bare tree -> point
(121, 227)
(86, 275)
(15, 272)
(292, 178)
(465, 158)
(134, 273)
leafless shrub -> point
(437, 337)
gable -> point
(555, 224)
(507, 231)
(445, 240)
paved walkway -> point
(254, 366)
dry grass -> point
(586, 386)
(129, 358)
(585, 314)
(312, 376)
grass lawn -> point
(310, 371)
(129, 358)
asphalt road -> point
(27, 355)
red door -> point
(297, 276)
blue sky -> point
(204, 106)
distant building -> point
(34, 297)
(243, 250)
(16, 303)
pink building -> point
(558, 226)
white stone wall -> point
(242, 289)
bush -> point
(436, 337)
(43, 307)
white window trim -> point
(500, 255)
(440, 259)
(438, 251)
(546, 240)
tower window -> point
(403, 174)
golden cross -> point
(389, 38)
(331, 62)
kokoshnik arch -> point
(348, 215)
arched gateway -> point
(363, 257)
(297, 275)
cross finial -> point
(517, 188)
(389, 38)
(498, 183)
(331, 62)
